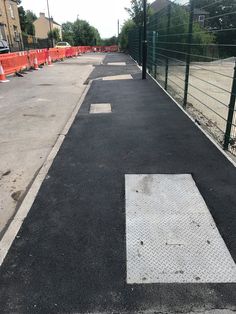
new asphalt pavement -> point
(70, 253)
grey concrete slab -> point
(33, 112)
(70, 254)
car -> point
(62, 44)
(4, 47)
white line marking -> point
(171, 236)
(27, 203)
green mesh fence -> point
(191, 53)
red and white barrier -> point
(12, 63)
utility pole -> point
(144, 65)
(50, 25)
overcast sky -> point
(102, 14)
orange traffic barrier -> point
(16, 62)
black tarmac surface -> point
(70, 254)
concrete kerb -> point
(22, 212)
(192, 119)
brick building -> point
(10, 29)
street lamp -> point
(50, 26)
(144, 67)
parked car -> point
(4, 47)
(62, 44)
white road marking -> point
(100, 108)
(171, 236)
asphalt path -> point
(70, 253)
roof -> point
(158, 5)
(200, 12)
(52, 21)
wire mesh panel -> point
(135, 44)
(191, 53)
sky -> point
(102, 14)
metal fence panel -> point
(191, 53)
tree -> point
(174, 43)
(27, 19)
(84, 34)
(124, 35)
(222, 22)
(110, 41)
(68, 32)
(136, 11)
(54, 34)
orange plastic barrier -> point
(14, 62)
(18, 61)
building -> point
(42, 26)
(10, 29)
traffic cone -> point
(49, 61)
(3, 78)
(36, 66)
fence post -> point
(189, 49)
(153, 52)
(140, 45)
(144, 63)
(230, 112)
(167, 35)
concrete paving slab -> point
(33, 112)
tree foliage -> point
(110, 41)
(124, 35)
(27, 19)
(221, 17)
(54, 34)
(136, 11)
(68, 33)
(174, 43)
(80, 33)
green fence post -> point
(168, 32)
(140, 45)
(144, 63)
(230, 112)
(188, 55)
(153, 52)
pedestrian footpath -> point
(92, 241)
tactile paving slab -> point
(171, 236)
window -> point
(16, 34)
(11, 9)
(2, 32)
(201, 18)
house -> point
(199, 14)
(10, 29)
(43, 24)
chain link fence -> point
(191, 53)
